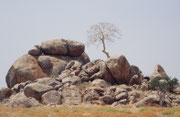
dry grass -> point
(96, 111)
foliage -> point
(101, 32)
(163, 84)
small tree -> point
(163, 84)
(101, 32)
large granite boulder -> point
(119, 68)
(24, 69)
(54, 47)
(75, 48)
(158, 72)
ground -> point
(90, 111)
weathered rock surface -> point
(119, 68)
(60, 72)
(108, 99)
(5, 93)
(75, 48)
(71, 96)
(100, 82)
(47, 60)
(51, 97)
(72, 80)
(35, 51)
(20, 100)
(121, 96)
(49, 81)
(54, 47)
(24, 69)
(97, 69)
(158, 72)
(146, 100)
(36, 90)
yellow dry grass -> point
(95, 111)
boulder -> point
(75, 48)
(158, 72)
(20, 86)
(36, 90)
(72, 80)
(90, 95)
(121, 96)
(176, 90)
(119, 90)
(71, 96)
(100, 82)
(119, 68)
(5, 93)
(45, 62)
(106, 74)
(107, 99)
(146, 100)
(84, 76)
(35, 51)
(20, 100)
(136, 80)
(51, 97)
(24, 69)
(60, 62)
(74, 65)
(97, 69)
(49, 81)
(54, 47)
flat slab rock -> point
(36, 90)
(62, 47)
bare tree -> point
(101, 32)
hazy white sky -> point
(150, 29)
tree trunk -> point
(104, 49)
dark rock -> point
(108, 99)
(75, 48)
(5, 93)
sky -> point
(150, 29)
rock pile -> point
(59, 72)
(47, 60)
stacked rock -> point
(46, 60)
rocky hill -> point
(59, 72)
